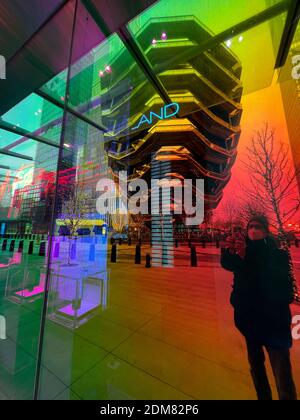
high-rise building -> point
(290, 91)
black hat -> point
(262, 220)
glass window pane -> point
(290, 71)
(215, 15)
(182, 52)
(6, 138)
(78, 270)
(107, 315)
(37, 116)
(222, 74)
(109, 88)
(44, 55)
(56, 87)
(87, 36)
(27, 185)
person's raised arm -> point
(232, 253)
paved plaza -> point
(164, 333)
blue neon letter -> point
(174, 104)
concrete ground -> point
(166, 333)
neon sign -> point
(162, 116)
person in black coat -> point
(261, 297)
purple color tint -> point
(84, 309)
(36, 291)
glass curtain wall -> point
(30, 145)
(102, 305)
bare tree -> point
(218, 223)
(118, 221)
(137, 221)
(249, 209)
(273, 179)
(74, 208)
(273, 183)
(232, 215)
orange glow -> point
(258, 108)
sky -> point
(258, 108)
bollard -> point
(92, 252)
(21, 246)
(137, 259)
(12, 246)
(42, 251)
(73, 251)
(194, 256)
(56, 250)
(4, 245)
(148, 261)
(30, 248)
(113, 255)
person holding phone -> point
(261, 297)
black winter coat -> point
(262, 292)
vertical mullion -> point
(52, 226)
